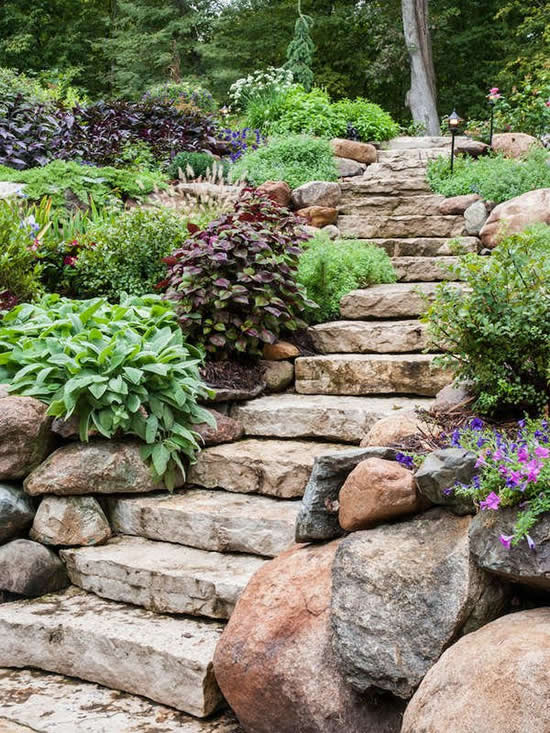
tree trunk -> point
(422, 94)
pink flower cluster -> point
(494, 94)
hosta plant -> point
(121, 369)
(234, 283)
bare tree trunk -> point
(422, 94)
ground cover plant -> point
(234, 283)
(295, 159)
(494, 178)
(329, 270)
(19, 271)
(498, 329)
(121, 369)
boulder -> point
(69, 429)
(280, 350)
(401, 594)
(360, 152)
(515, 215)
(278, 375)
(475, 217)
(451, 396)
(319, 216)
(317, 193)
(30, 569)
(98, 467)
(16, 511)
(472, 148)
(318, 515)
(278, 191)
(25, 438)
(70, 521)
(376, 491)
(492, 681)
(439, 473)
(458, 204)
(519, 564)
(393, 429)
(226, 430)
(229, 394)
(4, 391)
(7, 189)
(274, 662)
(331, 231)
(513, 144)
(348, 168)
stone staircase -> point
(146, 610)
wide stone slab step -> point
(217, 521)
(270, 467)
(423, 142)
(317, 416)
(396, 300)
(359, 205)
(425, 246)
(423, 154)
(32, 701)
(372, 226)
(424, 269)
(363, 374)
(369, 337)
(384, 181)
(161, 576)
(163, 658)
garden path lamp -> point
(454, 122)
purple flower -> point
(521, 423)
(533, 470)
(498, 455)
(455, 438)
(514, 479)
(542, 452)
(404, 460)
(480, 461)
(491, 502)
(476, 424)
(530, 542)
(506, 540)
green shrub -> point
(101, 185)
(13, 83)
(498, 329)
(493, 178)
(329, 270)
(370, 120)
(124, 254)
(197, 165)
(295, 159)
(183, 93)
(19, 271)
(122, 369)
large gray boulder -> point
(30, 569)
(25, 438)
(475, 217)
(70, 521)
(318, 515)
(439, 473)
(401, 594)
(16, 511)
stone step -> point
(425, 246)
(217, 521)
(363, 374)
(418, 143)
(32, 701)
(270, 467)
(395, 300)
(387, 182)
(165, 659)
(422, 154)
(316, 416)
(355, 204)
(424, 269)
(368, 227)
(161, 576)
(369, 337)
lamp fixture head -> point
(454, 120)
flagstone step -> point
(163, 658)
(217, 521)
(365, 374)
(163, 577)
(424, 269)
(422, 154)
(355, 204)
(318, 416)
(270, 467)
(368, 227)
(32, 701)
(368, 337)
(405, 143)
(383, 181)
(424, 246)
(394, 300)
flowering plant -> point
(494, 95)
(239, 141)
(270, 80)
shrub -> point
(122, 369)
(493, 178)
(197, 165)
(26, 133)
(14, 84)
(234, 283)
(368, 119)
(182, 94)
(101, 185)
(295, 159)
(329, 270)
(498, 329)
(19, 272)
(267, 84)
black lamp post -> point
(454, 125)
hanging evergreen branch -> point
(300, 51)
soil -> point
(302, 340)
(245, 375)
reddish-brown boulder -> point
(226, 430)
(25, 437)
(278, 191)
(513, 144)
(319, 216)
(515, 215)
(280, 350)
(275, 664)
(458, 204)
(393, 429)
(361, 152)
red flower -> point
(69, 260)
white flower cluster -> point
(272, 78)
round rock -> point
(70, 521)
(16, 511)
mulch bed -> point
(236, 375)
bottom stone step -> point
(162, 577)
(165, 659)
(32, 701)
